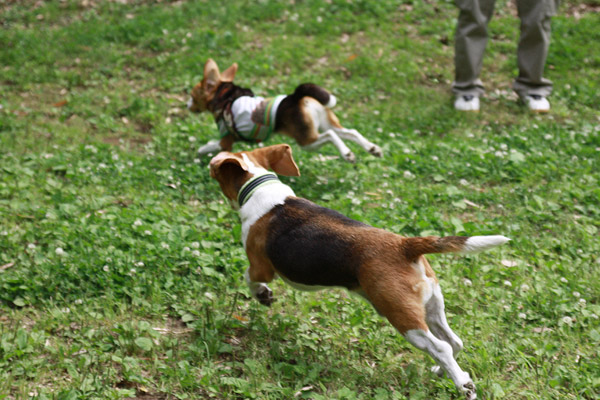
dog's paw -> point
(468, 390)
(264, 295)
(212, 147)
(376, 151)
(350, 157)
(202, 152)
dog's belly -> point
(303, 287)
(314, 246)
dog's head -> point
(204, 91)
(232, 170)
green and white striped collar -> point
(253, 184)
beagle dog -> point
(304, 115)
(312, 247)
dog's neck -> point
(263, 200)
(260, 199)
(253, 184)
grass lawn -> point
(121, 264)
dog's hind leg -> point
(331, 121)
(315, 118)
(436, 320)
(356, 137)
(399, 298)
(330, 136)
(441, 352)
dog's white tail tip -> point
(332, 101)
(476, 244)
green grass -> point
(147, 300)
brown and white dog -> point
(304, 115)
(312, 247)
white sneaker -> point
(467, 103)
(537, 103)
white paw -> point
(468, 390)
(264, 295)
(376, 151)
(350, 157)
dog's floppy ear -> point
(229, 73)
(212, 76)
(220, 161)
(279, 159)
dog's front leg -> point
(259, 290)
(213, 146)
(261, 270)
(226, 142)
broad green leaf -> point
(144, 343)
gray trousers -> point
(471, 39)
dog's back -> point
(315, 91)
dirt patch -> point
(579, 10)
(141, 392)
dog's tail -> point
(417, 246)
(316, 92)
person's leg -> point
(533, 48)
(469, 46)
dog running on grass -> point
(312, 247)
(304, 115)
